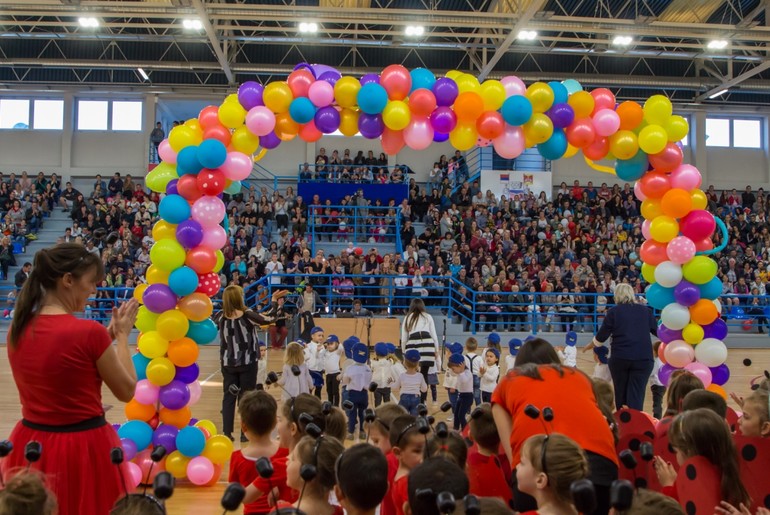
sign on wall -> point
(506, 183)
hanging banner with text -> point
(506, 183)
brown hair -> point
(565, 461)
(759, 398)
(304, 403)
(471, 344)
(232, 300)
(647, 502)
(26, 494)
(605, 399)
(488, 505)
(416, 308)
(51, 264)
(705, 399)
(537, 351)
(385, 414)
(681, 384)
(336, 423)
(323, 454)
(483, 428)
(453, 448)
(258, 410)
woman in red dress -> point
(59, 363)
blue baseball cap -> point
(391, 348)
(571, 339)
(455, 348)
(412, 355)
(493, 338)
(347, 345)
(494, 351)
(602, 353)
(529, 337)
(333, 338)
(316, 329)
(360, 353)
(300, 341)
(260, 343)
(381, 349)
(456, 359)
(514, 344)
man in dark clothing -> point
(156, 138)
(748, 198)
(21, 275)
(116, 185)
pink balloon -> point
(700, 371)
(214, 237)
(260, 121)
(603, 99)
(680, 250)
(166, 153)
(686, 177)
(679, 353)
(392, 141)
(237, 166)
(200, 470)
(208, 211)
(667, 159)
(397, 81)
(145, 463)
(510, 144)
(646, 229)
(606, 122)
(146, 392)
(134, 475)
(321, 93)
(638, 191)
(699, 224)
(513, 86)
(418, 135)
(195, 392)
(299, 81)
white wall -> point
(109, 152)
(33, 151)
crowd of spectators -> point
(359, 169)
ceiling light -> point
(308, 27)
(717, 44)
(192, 24)
(143, 74)
(622, 40)
(88, 21)
(414, 30)
(718, 94)
(527, 35)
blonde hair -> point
(565, 462)
(232, 300)
(624, 294)
(295, 354)
(27, 494)
(759, 398)
(471, 344)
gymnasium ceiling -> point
(42, 44)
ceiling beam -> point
(734, 81)
(214, 40)
(749, 18)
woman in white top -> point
(418, 331)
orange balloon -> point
(661, 353)
(196, 306)
(178, 418)
(715, 388)
(676, 203)
(138, 411)
(285, 127)
(215, 478)
(631, 115)
(469, 106)
(183, 352)
(651, 208)
(653, 252)
(703, 312)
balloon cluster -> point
(174, 319)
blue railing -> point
(357, 224)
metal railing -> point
(357, 224)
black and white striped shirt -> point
(238, 337)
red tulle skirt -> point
(77, 467)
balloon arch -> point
(211, 154)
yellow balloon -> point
(152, 345)
(468, 83)
(163, 230)
(277, 97)
(539, 128)
(172, 325)
(493, 94)
(571, 151)
(232, 115)
(155, 275)
(232, 97)
(653, 139)
(463, 137)
(218, 449)
(453, 74)
(648, 272)
(396, 115)
(194, 124)
(582, 103)
(651, 208)
(208, 425)
(346, 91)
(677, 128)
(244, 141)
(176, 464)
(699, 200)
(349, 121)
(182, 136)
(541, 96)
(664, 228)
(139, 291)
(624, 144)
(220, 261)
(167, 254)
(657, 110)
(160, 371)
(145, 320)
(693, 333)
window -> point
(717, 132)
(747, 134)
(14, 114)
(126, 116)
(92, 115)
(48, 115)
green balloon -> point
(160, 176)
(167, 254)
(700, 270)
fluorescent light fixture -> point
(414, 30)
(143, 74)
(527, 35)
(717, 44)
(718, 94)
(622, 40)
(192, 24)
(308, 27)
(88, 21)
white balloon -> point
(711, 352)
(675, 316)
(668, 274)
(718, 305)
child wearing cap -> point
(464, 388)
(382, 373)
(568, 353)
(450, 378)
(261, 365)
(357, 378)
(347, 350)
(433, 383)
(411, 384)
(329, 357)
(514, 344)
(493, 342)
(490, 372)
(312, 349)
(602, 369)
(473, 362)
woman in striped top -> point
(419, 332)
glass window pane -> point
(14, 114)
(49, 114)
(717, 132)
(127, 116)
(92, 115)
(747, 134)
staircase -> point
(53, 228)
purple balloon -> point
(440, 137)
(372, 78)
(686, 293)
(446, 91)
(443, 120)
(318, 70)
(129, 448)
(327, 119)
(370, 125)
(667, 335)
(250, 94)
(189, 233)
(175, 395)
(193, 421)
(116, 427)
(720, 375)
(171, 187)
(331, 77)
(187, 374)
(159, 298)
(165, 435)
(562, 115)
(716, 329)
(664, 373)
(270, 141)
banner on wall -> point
(507, 183)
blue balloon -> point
(301, 110)
(560, 93)
(711, 290)
(202, 333)
(190, 441)
(140, 365)
(137, 431)
(572, 86)
(174, 209)
(517, 110)
(212, 153)
(422, 79)
(632, 169)
(440, 137)
(187, 161)
(660, 297)
(372, 98)
(555, 147)
(183, 281)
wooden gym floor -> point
(187, 498)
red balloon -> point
(188, 188)
(201, 259)
(299, 82)
(490, 125)
(598, 149)
(581, 133)
(211, 182)
(209, 117)
(309, 132)
(654, 184)
(396, 81)
(209, 284)
(218, 132)
(704, 244)
(154, 421)
(667, 159)
(603, 99)
(392, 141)
(422, 102)
(653, 252)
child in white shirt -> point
(457, 364)
(382, 369)
(490, 372)
(261, 365)
(357, 378)
(313, 347)
(450, 378)
(329, 359)
(568, 353)
(656, 386)
(294, 385)
(411, 384)
(601, 369)
(473, 362)
(514, 344)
